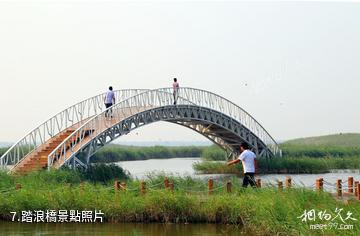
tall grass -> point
(261, 211)
(114, 153)
(315, 151)
(298, 165)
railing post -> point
(350, 184)
(143, 187)
(321, 184)
(280, 185)
(356, 189)
(338, 188)
(228, 186)
(288, 182)
(317, 184)
(258, 183)
(166, 183)
(17, 186)
(210, 185)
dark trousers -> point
(175, 94)
(107, 105)
(249, 179)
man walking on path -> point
(248, 159)
(109, 100)
(175, 90)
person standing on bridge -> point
(175, 90)
(109, 100)
(248, 159)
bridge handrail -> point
(155, 98)
(259, 131)
(150, 98)
(72, 115)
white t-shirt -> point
(247, 158)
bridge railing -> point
(73, 115)
(96, 125)
(216, 102)
(149, 100)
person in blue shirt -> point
(109, 101)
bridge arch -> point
(211, 115)
(216, 118)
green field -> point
(338, 140)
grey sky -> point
(300, 60)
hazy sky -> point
(300, 60)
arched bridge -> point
(72, 136)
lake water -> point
(183, 167)
(12, 229)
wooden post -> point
(288, 182)
(280, 185)
(228, 186)
(17, 186)
(171, 186)
(321, 184)
(123, 186)
(258, 183)
(356, 189)
(116, 185)
(166, 183)
(338, 188)
(350, 185)
(210, 185)
(143, 187)
(317, 184)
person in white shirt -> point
(248, 159)
(109, 100)
(175, 90)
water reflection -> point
(152, 229)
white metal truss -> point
(211, 115)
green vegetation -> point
(114, 153)
(337, 140)
(2, 151)
(286, 165)
(307, 155)
(254, 211)
(292, 150)
(213, 153)
(96, 173)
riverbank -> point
(253, 211)
(116, 153)
(284, 165)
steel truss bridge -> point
(72, 136)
